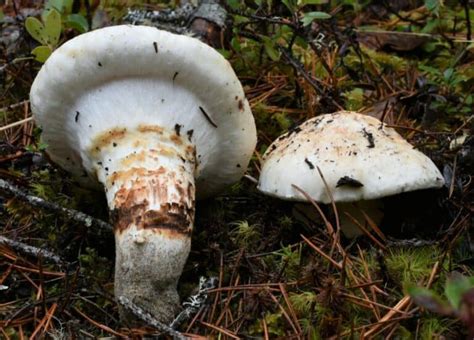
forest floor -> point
(408, 63)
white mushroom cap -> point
(359, 157)
(136, 75)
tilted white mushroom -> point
(153, 117)
(360, 159)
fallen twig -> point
(30, 250)
(20, 122)
(35, 201)
(149, 319)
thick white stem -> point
(148, 175)
(372, 208)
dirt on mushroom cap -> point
(348, 148)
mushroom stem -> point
(148, 175)
(372, 208)
(306, 213)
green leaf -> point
(78, 22)
(426, 298)
(36, 29)
(448, 73)
(456, 286)
(310, 16)
(52, 27)
(270, 49)
(234, 4)
(2, 15)
(41, 53)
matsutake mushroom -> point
(360, 158)
(153, 118)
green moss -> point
(432, 328)
(244, 234)
(411, 265)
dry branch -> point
(149, 319)
(35, 201)
(30, 250)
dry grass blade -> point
(12, 125)
(44, 322)
(99, 325)
(374, 226)
(285, 314)
(323, 254)
(316, 205)
(366, 232)
(397, 309)
(220, 330)
(290, 307)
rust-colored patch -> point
(191, 152)
(166, 151)
(133, 204)
(107, 138)
(176, 139)
(150, 128)
(171, 216)
(133, 173)
(132, 158)
(172, 219)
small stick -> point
(75, 215)
(149, 319)
(20, 122)
(30, 250)
(9, 107)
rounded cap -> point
(359, 157)
(127, 76)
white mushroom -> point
(360, 159)
(153, 117)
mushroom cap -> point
(359, 157)
(127, 76)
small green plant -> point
(458, 302)
(47, 33)
(244, 234)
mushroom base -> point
(147, 270)
(148, 174)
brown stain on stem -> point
(132, 204)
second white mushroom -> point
(360, 158)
